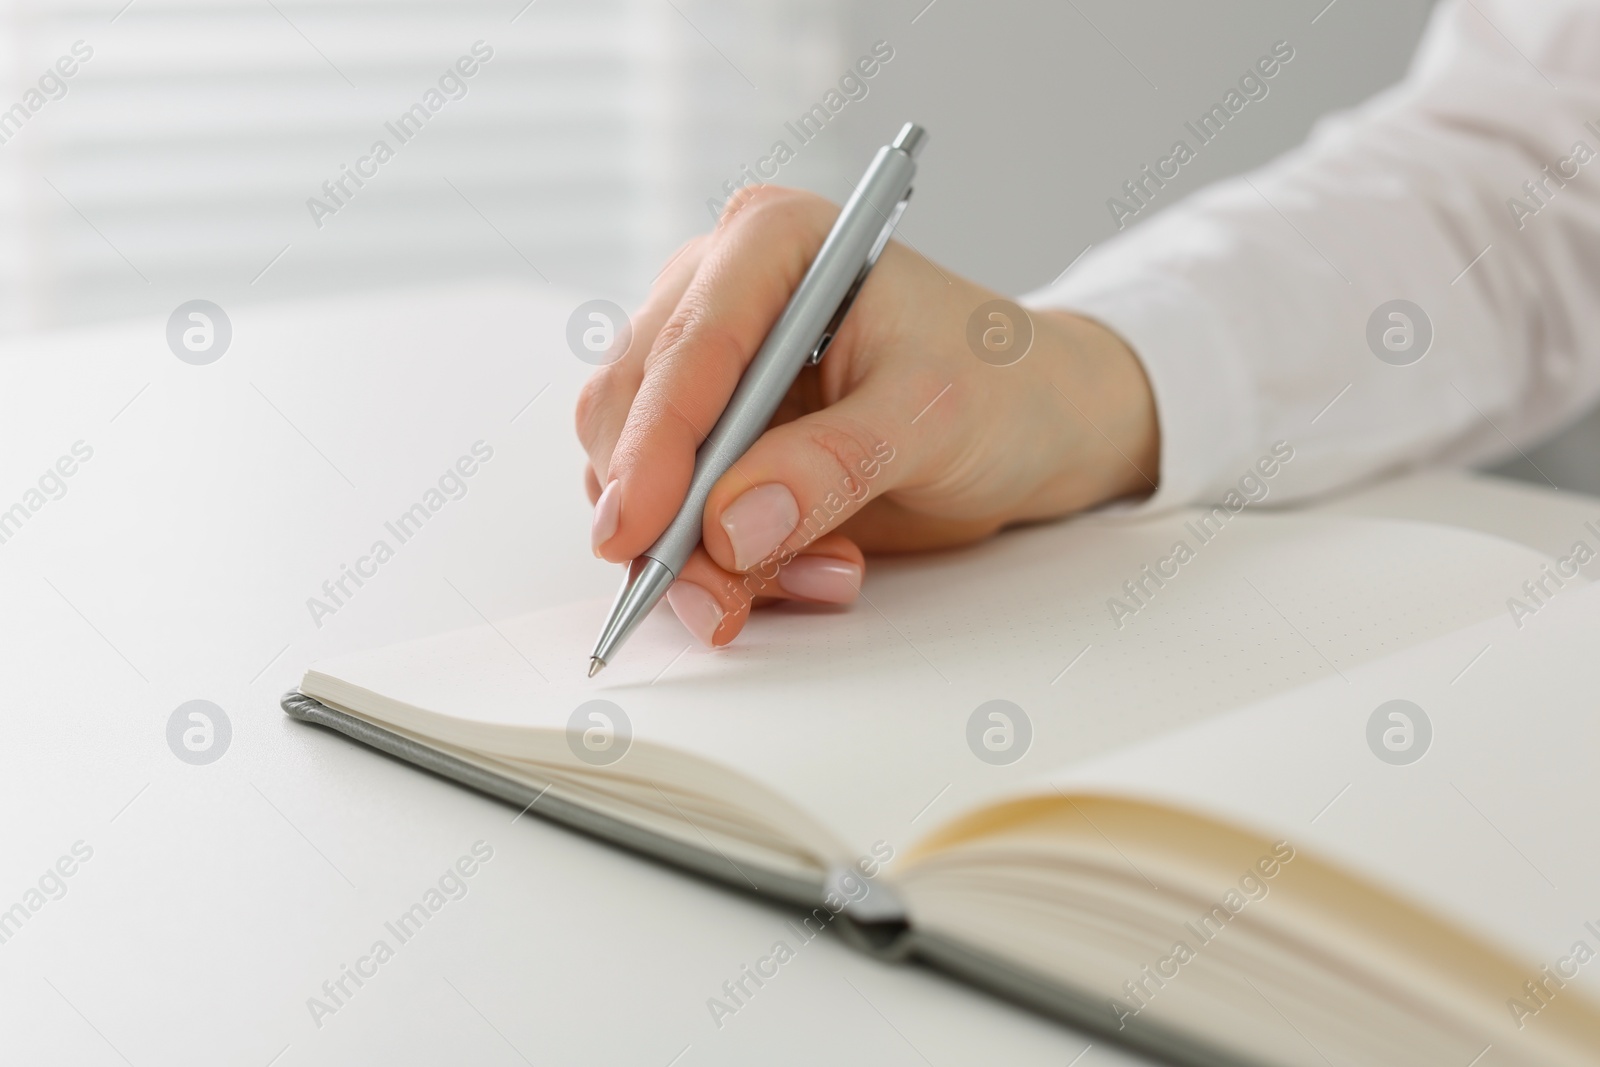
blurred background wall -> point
(181, 157)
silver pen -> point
(799, 337)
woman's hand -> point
(901, 439)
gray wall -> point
(1040, 110)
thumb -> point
(799, 481)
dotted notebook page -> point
(1458, 773)
(868, 717)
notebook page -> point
(862, 716)
(1486, 814)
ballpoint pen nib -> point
(595, 663)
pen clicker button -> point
(822, 346)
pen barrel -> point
(789, 344)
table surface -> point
(176, 564)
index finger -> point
(605, 398)
(742, 284)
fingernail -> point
(697, 609)
(758, 522)
(832, 581)
(607, 510)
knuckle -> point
(593, 402)
(692, 325)
(679, 324)
(848, 449)
(750, 199)
(776, 206)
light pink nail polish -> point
(759, 521)
(832, 581)
(607, 512)
(697, 609)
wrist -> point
(1109, 442)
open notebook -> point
(1153, 796)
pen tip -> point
(595, 664)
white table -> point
(219, 898)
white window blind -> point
(177, 160)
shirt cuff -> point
(1205, 407)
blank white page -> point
(1493, 825)
(860, 715)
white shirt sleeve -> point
(1471, 190)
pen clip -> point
(860, 279)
